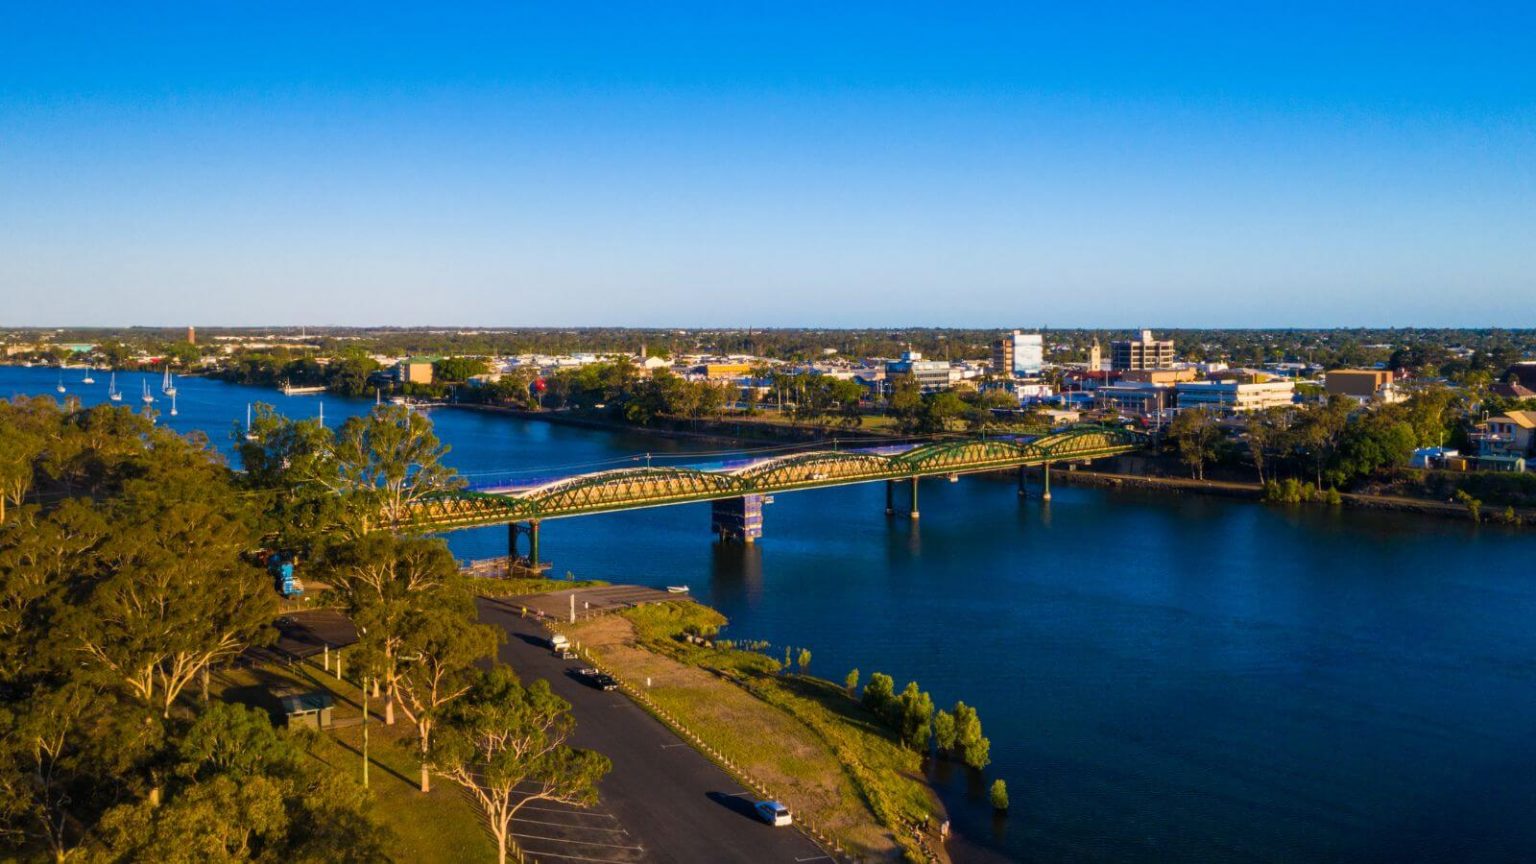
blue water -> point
(1163, 678)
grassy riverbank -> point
(804, 738)
(1255, 492)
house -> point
(1507, 436)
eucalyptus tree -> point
(505, 744)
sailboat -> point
(112, 392)
(88, 379)
(146, 397)
(173, 402)
(249, 435)
(60, 388)
(168, 386)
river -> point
(1163, 678)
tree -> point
(906, 401)
(916, 715)
(438, 650)
(459, 369)
(803, 660)
(944, 730)
(292, 464)
(1318, 431)
(505, 744)
(999, 795)
(1265, 429)
(851, 682)
(168, 592)
(391, 587)
(879, 692)
(973, 748)
(1197, 437)
(390, 461)
(242, 791)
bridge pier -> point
(912, 513)
(1045, 471)
(737, 518)
(514, 557)
(1023, 481)
(890, 497)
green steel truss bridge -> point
(639, 487)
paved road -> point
(671, 802)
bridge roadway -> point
(634, 488)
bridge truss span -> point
(634, 488)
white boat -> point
(249, 435)
(60, 388)
(290, 390)
(173, 403)
(87, 379)
(168, 386)
(146, 397)
(677, 589)
(112, 389)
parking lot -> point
(548, 831)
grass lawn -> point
(815, 748)
(440, 826)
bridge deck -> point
(639, 487)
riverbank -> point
(797, 738)
(1255, 492)
(737, 430)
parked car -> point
(600, 680)
(774, 813)
(559, 643)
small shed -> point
(311, 709)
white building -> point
(1028, 354)
(1225, 396)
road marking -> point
(817, 858)
(569, 825)
(569, 857)
(576, 842)
(569, 812)
(670, 746)
(737, 794)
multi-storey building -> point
(1143, 353)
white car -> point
(774, 813)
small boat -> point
(677, 589)
(322, 413)
(88, 379)
(60, 388)
(112, 392)
(290, 390)
(173, 402)
(148, 399)
(168, 386)
(249, 435)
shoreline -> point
(1255, 492)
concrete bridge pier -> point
(737, 518)
(1023, 481)
(890, 497)
(1045, 472)
(912, 513)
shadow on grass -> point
(413, 782)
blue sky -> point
(781, 164)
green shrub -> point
(999, 795)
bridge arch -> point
(631, 487)
(821, 466)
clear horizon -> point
(693, 166)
